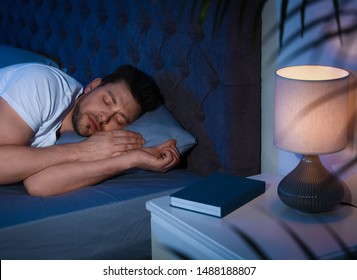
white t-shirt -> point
(42, 95)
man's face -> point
(104, 108)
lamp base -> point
(310, 187)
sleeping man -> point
(39, 102)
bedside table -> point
(264, 228)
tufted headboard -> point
(209, 74)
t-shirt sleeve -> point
(32, 91)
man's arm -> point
(18, 161)
(70, 176)
(62, 168)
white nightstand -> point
(263, 228)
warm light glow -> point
(311, 109)
(312, 73)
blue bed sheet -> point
(106, 221)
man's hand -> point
(159, 159)
(108, 144)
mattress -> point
(106, 221)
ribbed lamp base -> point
(310, 187)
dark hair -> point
(143, 87)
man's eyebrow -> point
(112, 97)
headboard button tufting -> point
(204, 72)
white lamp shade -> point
(311, 104)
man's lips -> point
(93, 123)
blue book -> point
(218, 194)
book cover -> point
(218, 194)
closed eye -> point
(109, 98)
(122, 119)
(106, 100)
(112, 97)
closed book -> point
(218, 194)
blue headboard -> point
(209, 74)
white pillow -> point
(159, 126)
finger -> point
(124, 147)
(173, 150)
(170, 165)
(119, 136)
(168, 143)
(121, 133)
(176, 152)
(128, 140)
(170, 158)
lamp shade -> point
(311, 104)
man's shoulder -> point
(33, 71)
(44, 76)
(24, 67)
(27, 71)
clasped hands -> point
(118, 143)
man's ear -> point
(92, 85)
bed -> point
(209, 75)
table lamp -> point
(311, 118)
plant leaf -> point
(283, 12)
(337, 16)
(302, 16)
(203, 11)
(259, 251)
(315, 43)
(221, 9)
